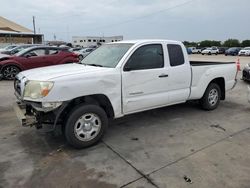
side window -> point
(146, 57)
(36, 53)
(53, 52)
(176, 56)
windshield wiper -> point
(96, 65)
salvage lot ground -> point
(157, 148)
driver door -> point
(145, 79)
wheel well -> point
(12, 65)
(98, 99)
(221, 83)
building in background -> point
(90, 41)
(11, 32)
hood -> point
(4, 57)
(52, 72)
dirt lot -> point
(177, 146)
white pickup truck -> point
(115, 80)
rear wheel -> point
(10, 71)
(86, 125)
(211, 97)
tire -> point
(10, 71)
(86, 125)
(80, 57)
(211, 97)
(202, 54)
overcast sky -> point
(192, 20)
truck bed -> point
(205, 71)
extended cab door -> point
(145, 79)
(179, 70)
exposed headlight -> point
(37, 89)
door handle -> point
(163, 75)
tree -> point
(245, 43)
(231, 43)
(205, 43)
(190, 44)
(209, 43)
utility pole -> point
(34, 24)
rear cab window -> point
(176, 56)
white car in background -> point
(83, 52)
(245, 51)
(195, 50)
(210, 51)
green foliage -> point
(209, 43)
(232, 43)
(245, 43)
(190, 44)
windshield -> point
(21, 51)
(107, 55)
(209, 49)
(9, 47)
(247, 48)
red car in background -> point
(34, 57)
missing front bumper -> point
(24, 119)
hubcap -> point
(10, 72)
(213, 97)
(87, 127)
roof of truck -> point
(140, 41)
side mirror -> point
(127, 68)
(27, 55)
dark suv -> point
(232, 51)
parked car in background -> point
(189, 51)
(34, 57)
(84, 52)
(7, 48)
(75, 49)
(222, 50)
(210, 51)
(245, 51)
(246, 73)
(195, 50)
(18, 49)
(232, 51)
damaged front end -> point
(35, 114)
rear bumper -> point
(24, 119)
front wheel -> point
(86, 125)
(10, 71)
(211, 97)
